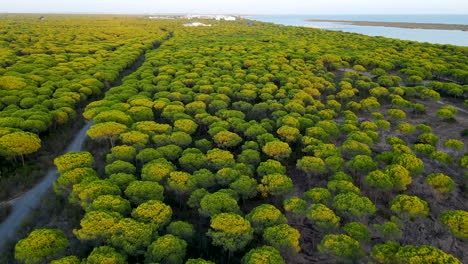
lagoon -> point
(454, 37)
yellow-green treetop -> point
(231, 231)
(19, 143)
(73, 160)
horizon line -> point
(221, 13)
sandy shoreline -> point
(395, 24)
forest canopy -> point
(243, 142)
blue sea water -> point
(454, 37)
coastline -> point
(395, 24)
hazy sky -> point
(239, 6)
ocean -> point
(454, 37)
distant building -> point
(216, 17)
(197, 24)
(228, 18)
(161, 17)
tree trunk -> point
(454, 240)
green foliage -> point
(455, 221)
(341, 176)
(97, 225)
(352, 148)
(112, 203)
(361, 164)
(423, 254)
(231, 231)
(296, 206)
(181, 229)
(341, 186)
(289, 134)
(226, 139)
(385, 253)
(122, 180)
(318, 195)
(249, 156)
(395, 141)
(440, 182)
(148, 154)
(357, 231)
(277, 149)
(323, 217)
(41, 245)
(180, 139)
(216, 203)
(353, 205)
(227, 176)
(106, 131)
(218, 159)
(73, 160)
(379, 180)
(264, 216)
(311, 165)
(19, 144)
(428, 138)
(270, 167)
(405, 128)
(442, 157)
(139, 192)
(67, 179)
(426, 149)
(167, 249)
(221, 86)
(131, 236)
(170, 152)
(105, 254)
(134, 138)
(203, 178)
(87, 191)
(204, 145)
(409, 207)
(195, 198)
(284, 238)
(120, 166)
(67, 260)
(341, 247)
(123, 152)
(388, 231)
(185, 125)
(263, 255)
(198, 261)
(410, 162)
(396, 114)
(447, 112)
(192, 161)
(113, 116)
(245, 186)
(157, 170)
(392, 178)
(276, 185)
(153, 212)
(454, 144)
(179, 182)
(424, 128)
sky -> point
(237, 6)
